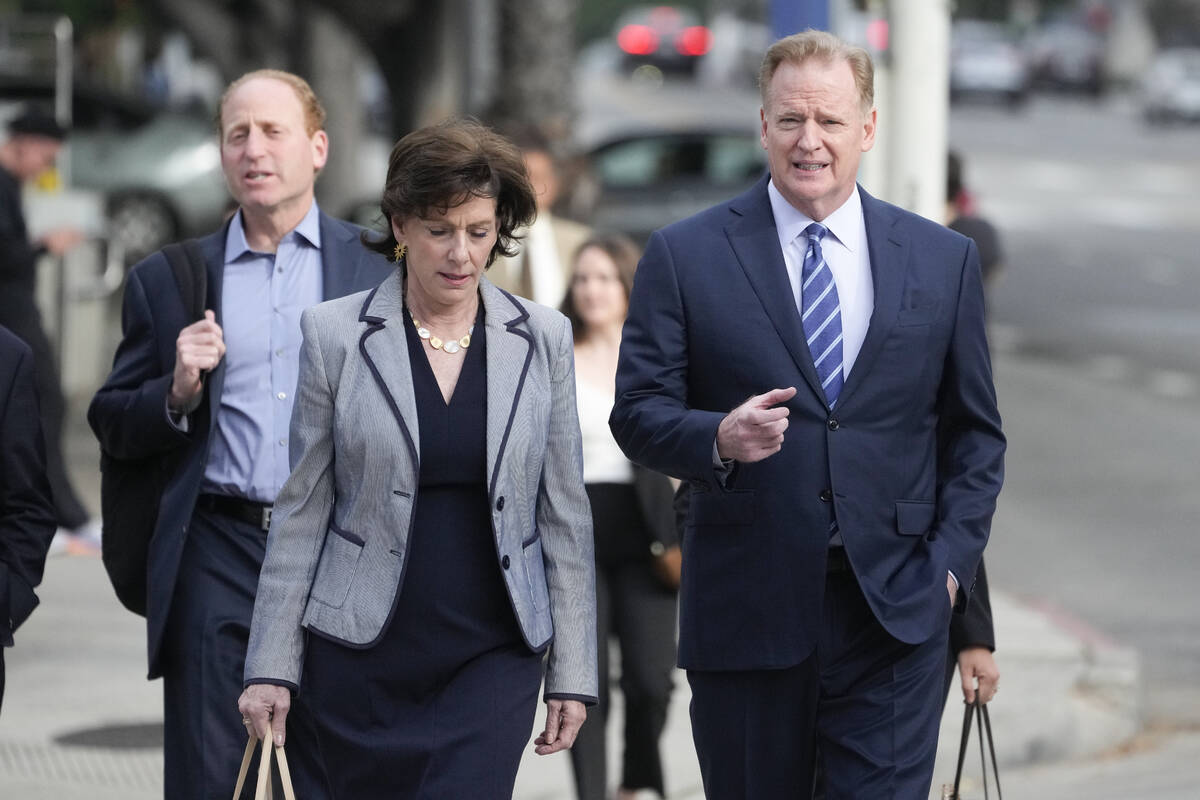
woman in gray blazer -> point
(434, 539)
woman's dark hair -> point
(624, 254)
(441, 166)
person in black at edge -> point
(34, 140)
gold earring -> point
(399, 251)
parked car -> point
(1171, 86)
(643, 180)
(1067, 56)
(160, 171)
(987, 62)
(670, 38)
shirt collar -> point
(845, 223)
(309, 230)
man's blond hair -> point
(314, 112)
(823, 46)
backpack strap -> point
(191, 276)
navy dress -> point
(443, 705)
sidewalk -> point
(80, 720)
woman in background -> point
(637, 551)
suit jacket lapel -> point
(888, 249)
(213, 248)
(340, 255)
(384, 345)
(509, 351)
(755, 242)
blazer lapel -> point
(340, 254)
(384, 346)
(888, 249)
(213, 248)
(509, 351)
(755, 242)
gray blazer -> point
(341, 526)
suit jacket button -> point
(833, 425)
(504, 562)
(500, 507)
(826, 495)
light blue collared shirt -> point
(262, 297)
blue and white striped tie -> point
(821, 314)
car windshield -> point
(718, 160)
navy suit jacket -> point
(27, 519)
(910, 461)
(128, 413)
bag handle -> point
(985, 731)
(263, 790)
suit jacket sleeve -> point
(973, 627)
(27, 521)
(298, 526)
(129, 412)
(651, 419)
(970, 441)
(564, 519)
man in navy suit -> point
(215, 397)
(838, 514)
(27, 518)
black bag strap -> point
(968, 714)
(985, 731)
(191, 275)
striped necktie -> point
(821, 314)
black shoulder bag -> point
(132, 489)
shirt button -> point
(504, 562)
(282, 395)
(279, 269)
(279, 354)
(283, 442)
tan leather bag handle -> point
(264, 791)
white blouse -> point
(603, 461)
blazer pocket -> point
(535, 573)
(537, 534)
(337, 567)
(914, 517)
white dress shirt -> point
(845, 251)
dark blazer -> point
(27, 520)
(128, 413)
(910, 461)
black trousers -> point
(633, 607)
(869, 703)
(26, 323)
(204, 652)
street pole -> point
(919, 102)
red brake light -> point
(694, 41)
(637, 40)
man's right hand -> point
(754, 430)
(199, 348)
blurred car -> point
(646, 179)
(1171, 86)
(160, 171)
(670, 38)
(1067, 56)
(987, 62)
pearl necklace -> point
(450, 346)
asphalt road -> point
(1100, 301)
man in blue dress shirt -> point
(215, 397)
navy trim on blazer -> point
(511, 327)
